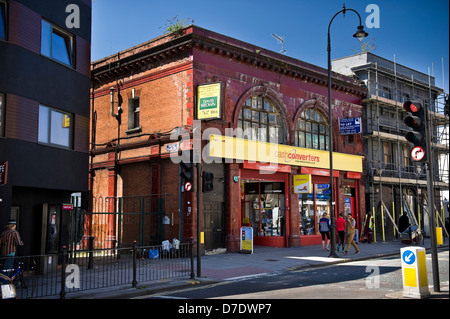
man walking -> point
(9, 240)
(350, 230)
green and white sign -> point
(209, 101)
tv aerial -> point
(281, 40)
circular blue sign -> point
(409, 257)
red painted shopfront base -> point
(309, 240)
(270, 241)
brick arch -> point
(273, 96)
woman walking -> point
(350, 230)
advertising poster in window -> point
(209, 101)
(302, 184)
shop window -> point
(263, 208)
(312, 130)
(311, 208)
(55, 127)
(260, 120)
(2, 21)
(56, 43)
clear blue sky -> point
(416, 32)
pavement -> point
(218, 266)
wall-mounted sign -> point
(302, 184)
(3, 172)
(256, 151)
(209, 101)
(350, 126)
(170, 147)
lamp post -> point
(360, 34)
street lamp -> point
(360, 34)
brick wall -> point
(166, 89)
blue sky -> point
(416, 32)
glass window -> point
(2, 21)
(54, 127)
(263, 208)
(260, 120)
(56, 44)
(133, 113)
(312, 206)
(312, 130)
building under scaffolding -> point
(394, 183)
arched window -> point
(311, 130)
(260, 120)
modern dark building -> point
(44, 116)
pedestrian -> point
(324, 228)
(340, 228)
(403, 222)
(9, 240)
(350, 231)
(368, 227)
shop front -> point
(272, 203)
(264, 199)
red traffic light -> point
(412, 106)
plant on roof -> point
(175, 25)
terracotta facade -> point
(164, 74)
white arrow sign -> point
(408, 258)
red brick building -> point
(271, 97)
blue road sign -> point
(409, 257)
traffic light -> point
(207, 182)
(416, 120)
(187, 173)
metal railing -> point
(60, 275)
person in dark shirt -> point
(9, 240)
(403, 223)
(324, 228)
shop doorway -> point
(263, 208)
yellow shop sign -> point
(250, 150)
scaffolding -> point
(392, 176)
